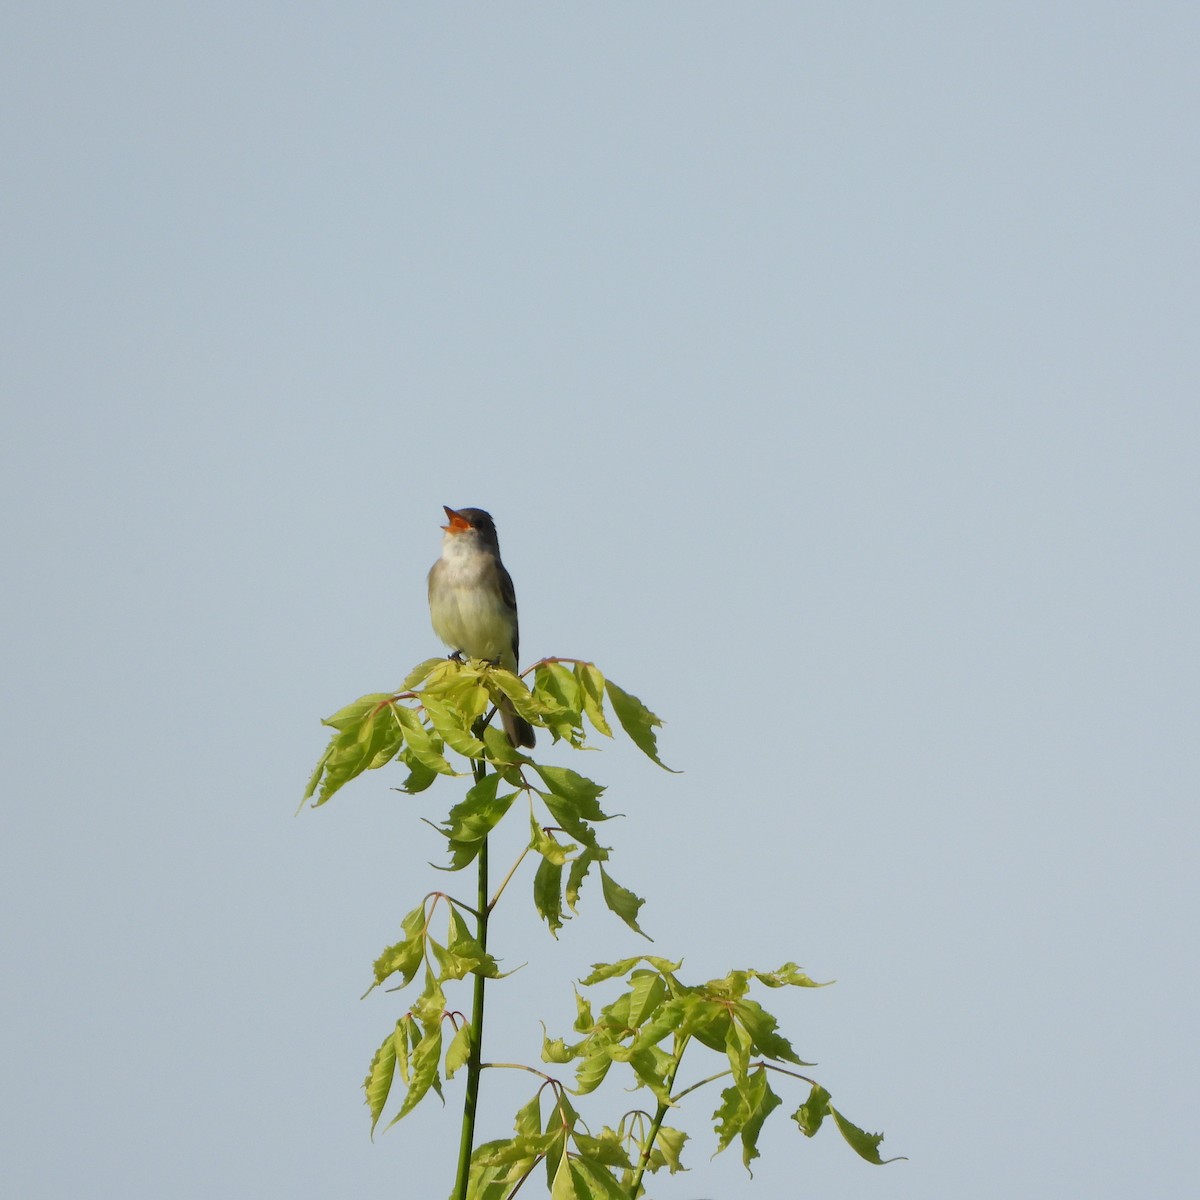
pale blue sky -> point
(831, 372)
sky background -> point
(831, 372)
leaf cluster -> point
(650, 1025)
(414, 1047)
(578, 1164)
(447, 704)
(440, 723)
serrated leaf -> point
(651, 1065)
(502, 752)
(419, 776)
(742, 1113)
(647, 991)
(708, 1021)
(406, 1037)
(547, 894)
(423, 746)
(562, 1186)
(369, 735)
(431, 1003)
(529, 1116)
(459, 1051)
(405, 956)
(789, 975)
(764, 1102)
(812, 1113)
(668, 1146)
(579, 791)
(378, 1083)
(865, 1145)
(764, 1038)
(603, 971)
(637, 721)
(577, 874)
(583, 1013)
(500, 681)
(594, 1181)
(354, 714)
(591, 683)
(420, 673)
(471, 820)
(737, 1050)
(604, 1150)
(559, 696)
(547, 845)
(453, 728)
(555, 1050)
(622, 901)
(590, 1073)
(426, 1059)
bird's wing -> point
(509, 595)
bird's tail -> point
(519, 730)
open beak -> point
(458, 523)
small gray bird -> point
(473, 605)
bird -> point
(472, 603)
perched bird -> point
(473, 605)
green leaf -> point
(368, 736)
(471, 820)
(764, 1039)
(502, 682)
(789, 975)
(591, 683)
(604, 1150)
(743, 1111)
(651, 1066)
(502, 752)
(547, 845)
(406, 956)
(602, 971)
(810, 1115)
(764, 1102)
(463, 955)
(407, 1036)
(707, 1020)
(591, 1071)
(427, 750)
(421, 672)
(353, 715)
(562, 1187)
(579, 791)
(419, 777)
(559, 701)
(637, 721)
(622, 901)
(430, 1005)
(647, 992)
(529, 1116)
(668, 1146)
(555, 1050)
(378, 1082)
(583, 1013)
(453, 727)
(459, 1050)
(547, 894)
(578, 872)
(865, 1145)
(426, 1059)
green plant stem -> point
(474, 1061)
(656, 1124)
